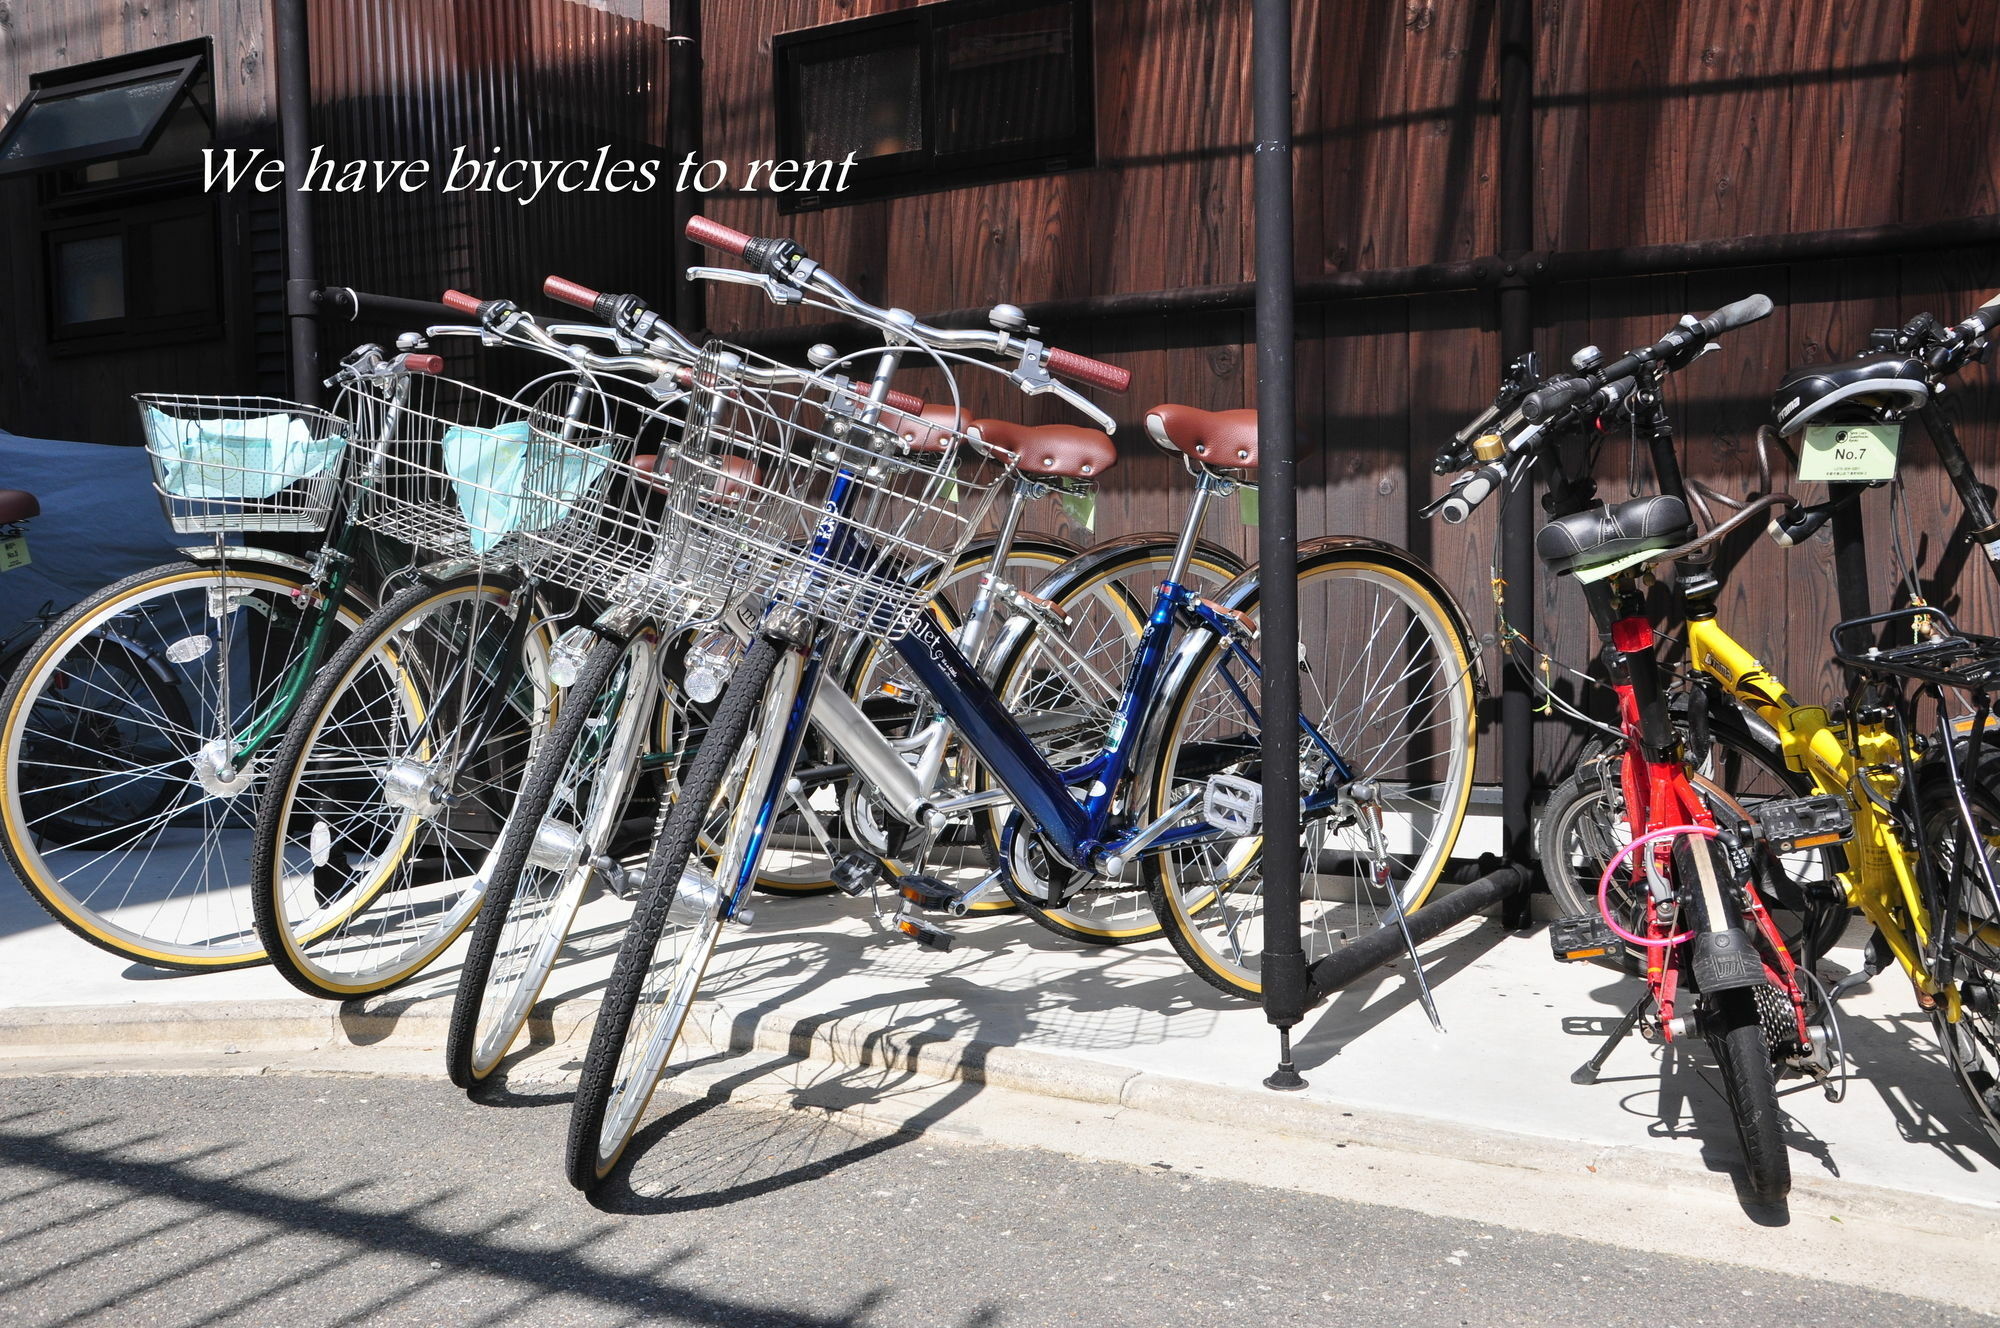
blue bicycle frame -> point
(1076, 831)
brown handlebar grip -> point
(424, 364)
(570, 292)
(717, 236)
(904, 402)
(460, 301)
(1083, 369)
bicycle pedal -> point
(1584, 936)
(856, 874)
(1815, 822)
(928, 892)
(923, 933)
(1232, 804)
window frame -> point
(189, 60)
(906, 173)
(130, 330)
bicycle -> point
(1162, 758)
(136, 731)
(392, 786)
(1860, 814)
(1693, 897)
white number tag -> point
(1850, 453)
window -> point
(939, 96)
(146, 270)
(129, 244)
(96, 112)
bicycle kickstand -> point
(1587, 1072)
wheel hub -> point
(558, 846)
(216, 775)
(413, 786)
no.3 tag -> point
(14, 553)
(1850, 453)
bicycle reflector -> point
(1799, 823)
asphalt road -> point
(344, 1200)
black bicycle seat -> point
(1612, 533)
(1879, 385)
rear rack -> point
(1945, 656)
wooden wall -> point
(44, 394)
(1656, 121)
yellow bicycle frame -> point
(1881, 877)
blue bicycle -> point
(827, 503)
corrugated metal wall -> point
(536, 79)
(1657, 120)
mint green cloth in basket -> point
(250, 458)
(508, 479)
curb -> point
(395, 1028)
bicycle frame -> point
(1881, 876)
(1660, 797)
(1077, 832)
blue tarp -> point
(100, 522)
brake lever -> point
(623, 344)
(1070, 396)
(774, 290)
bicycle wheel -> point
(1386, 682)
(569, 809)
(1736, 1038)
(1583, 825)
(119, 818)
(674, 929)
(876, 677)
(1966, 945)
(1063, 684)
(391, 787)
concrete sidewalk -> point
(811, 1007)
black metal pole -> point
(1284, 966)
(295, 146)
(683, 139)
(1517, 528)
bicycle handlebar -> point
(1561, 393)
(1475, 486)
(1981, 320)
(717, 236)
(783, 260)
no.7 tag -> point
(14, 553)
(1850, 453)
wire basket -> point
(784, 494)
(242, 463)
(545, 480)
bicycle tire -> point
(608, 1108)
(372, 896)
(1970, 954)
(215, 930)
(1208, 895)
(493, 1001)
(1736, 1039)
